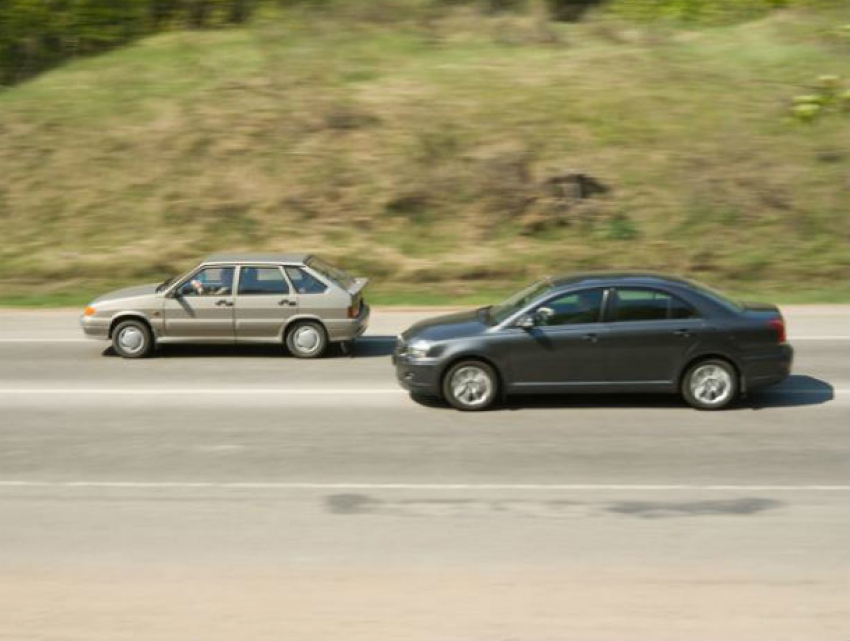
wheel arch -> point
(739, 372)
(125, 316)
(472, 356)
(295, 320)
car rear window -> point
(647, 305)
(717, 297)
(332, 273)
(305, 283)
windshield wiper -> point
(164, 284)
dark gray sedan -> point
(599, 332)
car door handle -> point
(590, 337)
(286, 301)
(225, 303)
(684, 333)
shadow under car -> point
(363, 347)
(796, 391)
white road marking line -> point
(34, 339)
(545, 487)
(292, 391)
(45, 340)
(194, 391)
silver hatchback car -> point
(295, 299)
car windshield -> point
(505, 309)
(717, 297)
(165, 283)
(332, 273)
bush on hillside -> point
(707, 11)
(37, 34)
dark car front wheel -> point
(710, 384)
(471, 385)
(132, 339)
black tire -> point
(307, 339)
(132, 339)
(480, 391)
(721, 380)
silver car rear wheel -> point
(307, 340)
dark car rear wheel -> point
(711, 384)
(471, 385)
(307, 339)
(132, 339)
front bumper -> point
(94, 327)
(418, 375)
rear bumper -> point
(348, 330)
(417, 375)
(768, 368)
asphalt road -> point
(236, 493)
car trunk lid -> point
(356, 292)
(772, 317)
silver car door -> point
(264, 303)
(201, 307)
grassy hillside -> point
(438, 154)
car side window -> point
(210, 281)
(571, 309)
(258, 281)
(679, 309)
(305, 283)
(647, 305)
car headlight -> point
(419, 348)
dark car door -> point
(650, 334)
(564, 348)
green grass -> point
(417, 152)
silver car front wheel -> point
(132, 339)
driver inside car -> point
(200, 287)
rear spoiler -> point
(357, 287)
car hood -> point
(458, 325)
(127, 292)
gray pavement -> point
(220, 493)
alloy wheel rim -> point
(471, 386)
(307, 340)
(131, 339)
(711, 384)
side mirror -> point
(543, 314)
(526, 321)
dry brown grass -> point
(418, 151)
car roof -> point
(293, 258)
(608, 278)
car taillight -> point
(354, 310)
(778, 324)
